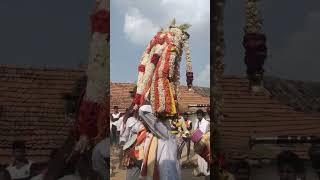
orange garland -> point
(166, 84)
(156, 90)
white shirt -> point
(23, 172)
(145, 108)
(122, 125)
(203, 125)
(131, 121)
(115, 116)
(119, 123)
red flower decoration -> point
(167, 97)
(91, 116)
(155, 58)
(154, 41)
(100, 22)
(137, 99)
(141, 68)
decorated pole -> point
(217, 69)
(92, 122)
(97, 88)
(254, 42)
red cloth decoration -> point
(205, 154)
(141, 68)
(155, 58)
(100, 22)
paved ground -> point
(187, 173)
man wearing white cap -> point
(160, 148)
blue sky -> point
(135, 22)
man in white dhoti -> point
(202, 124)
(134, 135)
(160, 160)
(21, 167)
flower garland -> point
(97, 81)
(159, 70)
(253, 21)
(254, 43)
(189, 72)
(92, 118)
(147, 65)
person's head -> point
(200, 114)
(115, 109)
(290, 166)
(4, 174)
(19, 150)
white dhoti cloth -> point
(169, 167)
(167, 159)
(203, 166)
(203, 125)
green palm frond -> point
(184, 27)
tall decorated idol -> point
(159, 70)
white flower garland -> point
(145, 77)
(188, 57)
(143, 63)
(97, 71)
(253, 20)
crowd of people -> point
(134, 133)
(21, 168)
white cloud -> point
(203, 77)
(143, 18)
(157, 13)
(138, 28)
